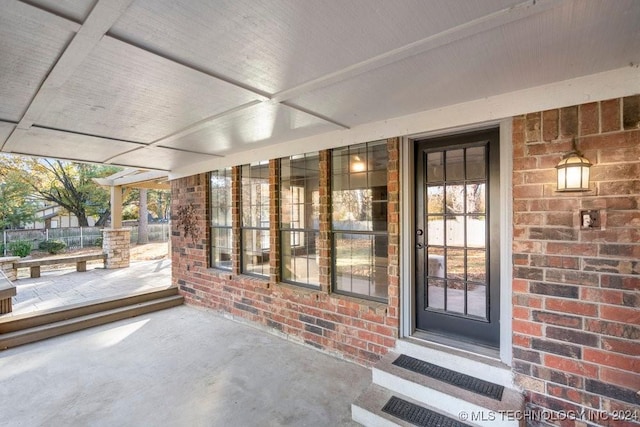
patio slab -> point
(63, 287)
(178, 367)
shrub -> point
(98, 241)
(52, 246)
(1, 249)
(19, 248)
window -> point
(299, 224)
(255, 219)
(221, 204)
(359, 220)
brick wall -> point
(357, 329)
(576, 293)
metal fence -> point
(77, 237)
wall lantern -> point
(573, 171)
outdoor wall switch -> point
(590, 220)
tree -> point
(16, 206)
(70, 185)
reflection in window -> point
(359, 220)
(255, 218)
(221, 208)
(299, 213)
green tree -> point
(68, 184)
(16, 205)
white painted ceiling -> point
(163, 84)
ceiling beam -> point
(450, 35)
(103, 15)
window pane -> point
(221, 202)
(476, 198)
(454, 199)
(477, 265)
(435, 294)
(455, 230)
(300, 257)
(255, 195)
(435, 199)
(455, 296)
(359, 203)
(477, 300)
(435, 230)
(255, 252)
(221, 244)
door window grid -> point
(456, 231)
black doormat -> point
(418, 415)
(466, 382)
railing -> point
(77, 237)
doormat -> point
(475, 385)
(418, 415)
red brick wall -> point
(358, 329)
(576, 293)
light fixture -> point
(358, 165)
(573, 171)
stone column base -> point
(116, 243)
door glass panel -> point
(476, 265)
(435, 262)
(475, 197)
(476, 163)
(455, 296)
(454, 199)
(455, 230)
(435, 230)
(435, 166)
(435, 296)
(455, 264)
(435, 199)
(477, 300)
(455, 165)
(476, 232)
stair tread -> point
(79, 319)
(29, 320)
(54, 329)
(511, 400)
(375, 398)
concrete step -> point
(44, 317)
(95, 318)
(448, 398)
(466, 362)
(367, 410)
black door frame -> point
(447, 325)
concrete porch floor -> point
(178, 367)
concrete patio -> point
(66, 286)
(177, 367)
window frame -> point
(243, 228)
(282, 230)
(228, 175)
(336, 231)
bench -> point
(7, 291)
(79, 260)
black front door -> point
(457, 237)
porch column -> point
(116, 206)
(116, 243)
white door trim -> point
(407, 227)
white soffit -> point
(5, 131)
(557, 45)
(30, 41)
(64, 145)
(77, 10)
(126, 93)
(252, 128)
(273, 46)
(158, 158)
